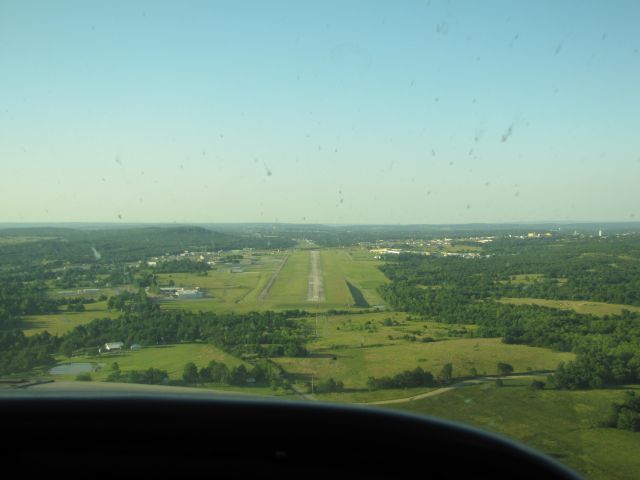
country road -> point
(464, 383)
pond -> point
(72, 368)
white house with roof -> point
(113, 346)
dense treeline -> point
(456, 290)
(407, 379)
(607, 271)
(246, 335)
(182, 266)
(261, 334)
(17, 299)
(20, 354)
(260, 372)
(121, 244)
(625, 415)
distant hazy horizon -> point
(352, 113)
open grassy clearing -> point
(351, 331)
(290, 288)
(11, 240)
(354, 365)
(559, 423)
(352, 348)
(225, 291)
(461, 248)
(171, 358)
(530, 278)
(361, 269)
(334, 272)
(581, 306)
(59, 323)
(526, 278)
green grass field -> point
(171, 358)
(562, 424)
(225, 291)
(290, 288)
(363, 349)
(361, 269)
(599, 309)
(59, 323)
(334, 267)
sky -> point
(319, 112)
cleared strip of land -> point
(316, 285)
(599, 309)
(267, 288)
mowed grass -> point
(562, 424)
(171, 358)
(290, 288)
(362, 270)
(239, 292)
(599, 309)
(352, 348)
(334, 263)
(59, 323)
(224, 291)
(355, 365)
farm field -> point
(599, 309)
(560, 423)
(59, 323)
(355, 365)
(364, 346)
(171, 358)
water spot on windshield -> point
(442, 28)
(507, 134)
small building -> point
(236, 270)
(135, 347)
(113, 346)
(184, 293)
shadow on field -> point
(322, 355)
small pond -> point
(72, 368)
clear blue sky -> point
(319, 111)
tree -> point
(83, 377)
(190, 373)
(205, 374)
(238, 375)
(537, 385)
(504, 368)
(446, 373)
(115, 374)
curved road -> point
(464, 383)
